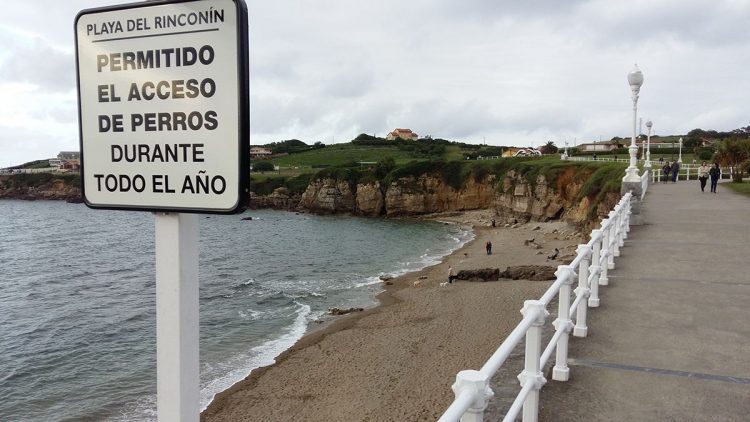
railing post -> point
(596, 268)
(614, 234)
(624, 224)
(532, 371)
(607, 247)
(561, 372)
(582, 290)
(479, 385)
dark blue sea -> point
(77, 298)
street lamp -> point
(648, 145)
(679, 160)
(635, 79)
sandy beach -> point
(397, 361)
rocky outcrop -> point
(370, 200)
(280, 199)
(530, 272)
(328, 196)
(521, 272)
(338, 311)
(40, 187)
(484, 274)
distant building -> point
(406, 134)
(73, 165)
(260, 152)
(598, 147)
(69, 160)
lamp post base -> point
(631, 175)
(636, 219)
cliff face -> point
(280, 199)
(512, 197)
(429, 194)
(328, 196)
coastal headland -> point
(398, 360)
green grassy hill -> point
(342, 154)
(354, 153)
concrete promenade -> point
(671, 339)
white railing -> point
(644, 182)
(591, 264)
(591, 158)
(686, 172)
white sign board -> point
(163, 106)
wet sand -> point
(397, 361)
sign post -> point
(177, 360)
(164, 127)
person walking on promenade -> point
(715, 173)
(703, 175)
(661, 160)
(488, 246)
(666, 169)
(675, 171)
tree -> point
(383, 167)
(735, 153)
(263, 166)
(549, 148)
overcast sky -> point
(511, 72)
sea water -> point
(77, 298)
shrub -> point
(262, 166)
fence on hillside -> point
(591, 265)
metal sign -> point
(163, 106)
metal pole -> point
(177, 360)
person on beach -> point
(493, 222)
(703, 175)
(675, 171)
(715, 173)
(451, 276)
(666, 169)
(488, 247)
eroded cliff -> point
(512, 196)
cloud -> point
(33, 60)
(513, 72)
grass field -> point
(347, 154)
(337, 155)
(743, 188)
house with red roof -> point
(406, 134)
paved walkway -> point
(671, 339)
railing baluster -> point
(614, 236)
(582, 290)
(596, 268)
(532, 372)
(563, 323)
